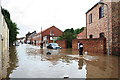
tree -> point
(13, 30)
(78, 30)
(5, 13)
(69, 30)
(69, 35)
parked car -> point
(53, 46)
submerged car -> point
(53, 46)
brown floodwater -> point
(28, 61)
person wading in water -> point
(80, 47)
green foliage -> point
(13, 30)
(69, 35)
(69, 30)
(77, 31)
(6, 13)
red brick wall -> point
(62, 43)
(50, 41)
(91, 45)
(116, 28)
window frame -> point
(101, 12)
(90, 18)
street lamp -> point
(107, 26)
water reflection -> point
(9, 63)
(12, 61)
(80, 63)
(4, 58)
(105, 67)
(27, 61)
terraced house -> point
(47, 36)
(103, 21)
(4, 46)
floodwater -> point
(28, 61)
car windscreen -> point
(54, 44)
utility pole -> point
(41, 37)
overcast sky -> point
(31, 15)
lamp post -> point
(108, 27)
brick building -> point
(97, 24)
(47, 36)
(28, 38)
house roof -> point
(92, 8)
(48, 29)
(80, 34)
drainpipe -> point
(108, 26)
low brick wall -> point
(91, 45)
(62, 43)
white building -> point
(4, 46)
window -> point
(101, 12)
(51, 38)
(45, 38)
(91, 36)
(90, 18)
(102, 35)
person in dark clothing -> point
(41, 45)
(80, 47)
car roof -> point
(52, 43)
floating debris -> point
(48, 53)
(66, 76)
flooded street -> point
(28, 61)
